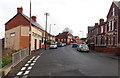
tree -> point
(68, 30)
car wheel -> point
(77, 50)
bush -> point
(7, 56)
(6, 61)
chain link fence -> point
(19, 56)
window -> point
(109, 26)
(101, 29)
(108, 40)
(112, 25)
(113, 11)
(111, 40)
(12, 34)
(115, 25)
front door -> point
(35, 44)
(39, 44)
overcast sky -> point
(75, 14)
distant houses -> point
(105, 35)
(64, 37)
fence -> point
(19, 56)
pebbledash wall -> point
(17, 32)
(105, 35)
(18, 38)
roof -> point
(117, 3)
(90, 28)
(28, 19)
(63, 34)
(32, 22)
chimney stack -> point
(19, 10)
(101, 21)
(96, 24)
(34, 18)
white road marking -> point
(26, 64)
(26, 72)
(23, 68)
(37, 58)
(32, 64)
(34, 61)
(29, 67)
(29, 62)
(19, 73)
(32, 58)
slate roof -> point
(117, 3)
(63, 34)
(32, 22)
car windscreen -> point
(84, 45)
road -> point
(66, 61)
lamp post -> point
(82, 33)
(30, 31)
(50, 28)
(46, 14)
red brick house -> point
(64, 37)
(105, 36)
(17, 32)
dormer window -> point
(113, 11)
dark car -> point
(74, 45)
(59, 44)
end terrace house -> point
(105, 35)
(17, 32)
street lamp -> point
(30, 31)
(50, 28)
(46, 14)
(82, 33)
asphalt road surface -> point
(66, 61)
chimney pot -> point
(101, 21)
(34, 18)
(19, 10)
(96, 24)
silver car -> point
(53, 45)
(83, 47)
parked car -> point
(53, 46)
(74, 45)
(59, 44)
(83, 47)
(64, 44)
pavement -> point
(108, 55)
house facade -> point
(17, 32)
(64, 37)
(105, 35)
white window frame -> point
(112, 25)
(101, 29)
(113, 11)
(12, 34)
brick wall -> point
(107, 50)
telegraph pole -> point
(30, 31)
(47, 14)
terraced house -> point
(105, 35)
(17, 32)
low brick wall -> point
(5, 70)
(107, 49)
